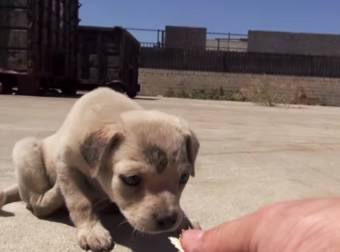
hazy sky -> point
(236, 16)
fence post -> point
(228, 41)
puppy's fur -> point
(108, 148)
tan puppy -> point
(107, 148)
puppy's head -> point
(144, 164)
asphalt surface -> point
(250, 156)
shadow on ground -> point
(123, 234)
(5, 213)
(148, 98)
(54, 93)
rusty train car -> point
(38, 45)
(108, 57)
(42, 47)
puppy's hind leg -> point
(9, 195)
(35, 188)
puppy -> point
(108, 148)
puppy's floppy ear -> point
(192, 147)
(97, 145)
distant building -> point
(294, 43)
(185, 37)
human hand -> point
(296, 226)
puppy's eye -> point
(184, 178)
(134, 180)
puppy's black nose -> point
(166, 221)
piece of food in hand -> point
(177, 243)
(196, 225)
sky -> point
(236, 16)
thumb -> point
(234, 236)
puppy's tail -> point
(9, 195)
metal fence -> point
(149, 37)
(239, 62)
(216, 41)
(227, 52)
(220, 41)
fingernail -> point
(191, 240)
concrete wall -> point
(324, 91)
(294, 43)
(185, 37)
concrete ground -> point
(250, 156)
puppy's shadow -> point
(5, 213)
(147, 98)
(125, 235)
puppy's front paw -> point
(95, 238)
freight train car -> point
(108, 57)
(38, 41)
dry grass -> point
(264, 93)
(206, 94)
(260, 93)
(262, 89)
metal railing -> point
(233, 42)
(216, 41)
(240, 62)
